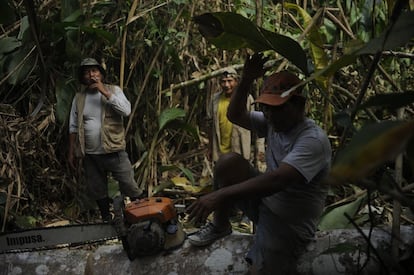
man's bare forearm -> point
(237, 112)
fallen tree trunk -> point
(334, 252)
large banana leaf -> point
(389, 101)
(373, 145)
(231, 31)
(64, 91)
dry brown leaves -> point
(31, 174)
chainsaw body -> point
(147, 226)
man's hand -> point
(200, 209)
(98, 85)
(254, 66)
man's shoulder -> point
(112, 87)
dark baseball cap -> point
(275, 86)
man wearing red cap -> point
(286, 201)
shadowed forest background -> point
(356, 68)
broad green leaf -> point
(21, 64)
(230, 31)
(169, 115)
(183, 183)
(64, 94)
(336, 219)
(73, 16)
(389, 101)
(370, 147)
(8, 44)
(188, 174)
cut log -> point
(333, 252)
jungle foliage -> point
(354, 57)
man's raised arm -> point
(237, 112)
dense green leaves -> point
(169, 115)
(396, 36)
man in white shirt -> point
(96, 133)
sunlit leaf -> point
(169, 115)
(230, 31)
(370, 147)
(336, 219)
(186, 171)
(185, 184)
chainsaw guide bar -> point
(53, 237)
(144, 227)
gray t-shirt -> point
(306, 148)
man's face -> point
(283, 117)
(91, 74)
(228, 84)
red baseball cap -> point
(275, 85)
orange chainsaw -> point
(145, 227)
